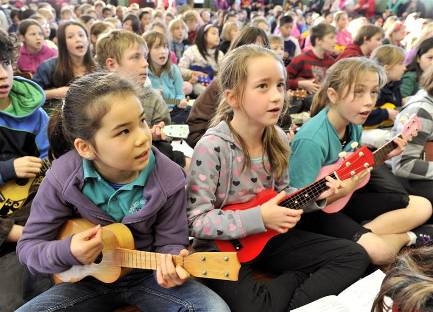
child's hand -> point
(279, 218)
(15, 233)
(334, 187)
(309, 85)
(86, 246)
(392, 113)
(350, 185)
(157, 134)
(167, 275)
(401, 143)
(61, 92)
(183, 103)
(27, 166)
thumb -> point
(88, 234)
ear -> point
(231, 98)
(332, 95)
(111, 64)
(387, 68)
(84, 149)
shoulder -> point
(170, 175)
(65, 168)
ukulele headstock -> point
(216, 265)
(358, 161)
(410, 127)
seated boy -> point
(23, 141)
(124, 52)
(308, 69)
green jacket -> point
(409, 84)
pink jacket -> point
(28, 62)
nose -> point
(276, 94)
(144, 62)
(143, 136)
(370, 99)
(3, 71)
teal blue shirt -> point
(119, 202)
(316, 145)
(171, 83)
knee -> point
(421, 206)
(356, 254)
(377, 249)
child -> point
(74, 60)
(240, 155)
(392, 59)
(131, 23)
(23, 142)
(367, 39)
(111, 174)
(344, 37)
(408, 282)
(277, 45)
(422, 60)
(34, 51)
(178, 35)
(346, 98)
(124, 52)
(204, 55)
(166, 76)
(145, 18)
(395, 34)
(308, 69)
(192, 23)
(415, 171)
(291, 44)
(229, 32)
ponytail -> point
(58, 144)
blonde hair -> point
(232, 76)
(388, 54)
(178, 22)
(276, 39)
(426, 32)
(227, 29)
(114, 43)
(345, 74)
(409, 283)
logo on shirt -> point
(136, 206)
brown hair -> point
(320, 31)
(409, 283)
(232, 76)
(366, 32)
(24, 26)
(426, 81)
(345, 74)
(154, 38)
(388, 54)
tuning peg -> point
(352, 173)
(366, 165)
(342, 154)
(354, 145)
(360, 154)
(348, 164)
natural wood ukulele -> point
(119, 256)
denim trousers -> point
(138, 288)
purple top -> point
(161, 225)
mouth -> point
(365, 114)
(274, 110)
(79, 48)
(143, 155)
(4, 89)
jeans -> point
(137, 288)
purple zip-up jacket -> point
(161, 225)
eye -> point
(123, 132)
(281, 85)
(262, 86)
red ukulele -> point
(251, 246)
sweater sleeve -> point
(187, 57)
(205, 220)
(7, 171)
(409, 164)
(407, 86)
(42, 135)
(44, 73)
(293, 69)
(38, 248)
(178, 82)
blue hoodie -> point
(23, 126)
(161, 225)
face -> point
(146, 19)
(263, 92)
(76, 40)
(6, 79)
(263, 26)
(395, 72)
(133, 64)
(360, 99)
(327, 43)
(191, 24)
(205, 15)
(342, 22)
(212, 38)
(34, 38)
(426, 60)
(278, 48)
(234, 33)
(123, 141)
(46, 28)
(286, 29)
(127, 25)
(373, 42)
(159, 29)
(399, 34)
(159, 54)
(177, 33)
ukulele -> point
(14, 193)
(176, 131)
(119, 257)
(409, 130)
(250, 247)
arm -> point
(407, 86)
(206, 221)
(38, 248)
(161, 112)
(7, 171)
(409, 164)
(171, 227)
(186, 59)
(293, 70)
(178, 82)
(41, 135)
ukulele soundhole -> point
(98, 259)
(21, 181)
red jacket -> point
(352, 50)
